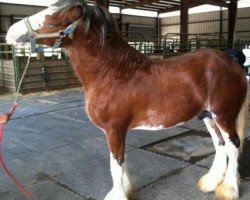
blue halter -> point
(33, 36)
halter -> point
(33, 35)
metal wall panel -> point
(170, 20)
(209, 23)
(13, 9)
(170, 29)
(138, 20)
(208, 16)
(243, 12)
(200, 28)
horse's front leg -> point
(121, 185)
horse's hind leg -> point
(121, 185)
(228, 190)
(210, 181)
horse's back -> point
(185, 85)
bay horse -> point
(126, 90)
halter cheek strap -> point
(33, 35)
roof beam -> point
(145, 2)
(194, 3)
(221, 3)
(140, 3)
(170, 9)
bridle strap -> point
(33, 35)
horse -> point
(126, 90)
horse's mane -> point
(98, 20)
(105, 19)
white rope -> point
(22, 78)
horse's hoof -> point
(209, 183)
(226, 192)
(115, 195)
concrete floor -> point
(53, 149)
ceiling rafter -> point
(220, 3)
(148, 2)
(194, 3)
(163, 6)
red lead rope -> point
(14, 179)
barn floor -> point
(53, 149)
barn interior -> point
(158, 29)
(51, 145)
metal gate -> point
(47, 71)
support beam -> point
(119, 21)
(221, 25)
(232, 14)
(103, 3)
(194, 3)
(219, 3)
(171, 9)
(147, 2)
(184, 24)
(158, 34)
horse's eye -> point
(50, 25)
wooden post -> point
(103, 3)
(232, 14)
(184, 25)
(158, 34)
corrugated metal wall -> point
(209, 23)
(8, 11)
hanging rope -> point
(21, 79)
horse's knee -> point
(116, 143)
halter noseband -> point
(33, 35)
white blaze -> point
(18, 32)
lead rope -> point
(21, 80)
(14, 107)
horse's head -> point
(48, 25)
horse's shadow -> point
(244, 160)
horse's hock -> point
(47, 71)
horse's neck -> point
(84, 65)
(90, 61)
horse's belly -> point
(165, 117)
(155, 127)
(155, 120)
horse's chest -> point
(100, 112)
(91, 112)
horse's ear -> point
(72, 14)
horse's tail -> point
(242, 119)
